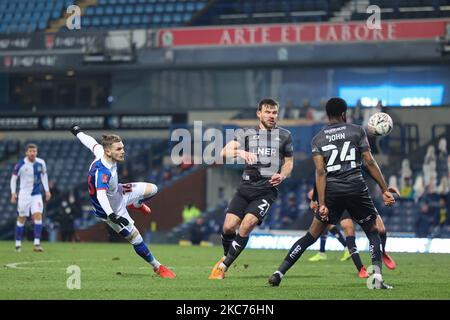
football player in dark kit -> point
(268, 154)
(338, 151)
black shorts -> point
(360, 208)
(346, 215)
(256, 201)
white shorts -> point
(29, 203)
(126, 194)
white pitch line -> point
(15, 265)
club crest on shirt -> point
(104, 178)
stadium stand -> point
(405, 9)
(39, 15)
(140, 14)
(30, 15)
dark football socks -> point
(235, 249)
(351, 245)
(227, 239)
(296, 252)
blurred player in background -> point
(338, 152)
(112, 200)
(268, 153)
(32, 173)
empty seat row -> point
(23, 27)
(147, 8)
(30, 16)
(135, 19)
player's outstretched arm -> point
(321, 182)
(13, 185)
(231, 150)
(44, 179)
(375, 173)
(87, 140)
(285, 171)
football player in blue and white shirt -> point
(111, 199)
(32, 173)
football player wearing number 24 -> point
(338, 152)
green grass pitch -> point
(114, 271)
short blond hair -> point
(109, 139)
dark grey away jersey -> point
(341, 145)
(270, 147)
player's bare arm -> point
(285, 171)
(321, 181)
(231, 150)
(13, 185)
(375, 172)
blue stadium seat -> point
(139, 9)
(146, 19)
(136, 19)
(42, 25)
(129, 9)
(99, 11)
(20, 6)
(119, 10)
(95, 21)
(90, 11)
(56, 14)
(167, 18)
(170, 7)
(40, 6)
(59, 6)
(45, 16)
(115, 20)
(22, 27)
(187, 17)
(190, 7)
(106, 20)
(149, 8)
(199, 6)
(49, 5)
(122, 1)
(8, 17)
(159, 8)
(177, 18)
(126, 20)
(86, 22)
(157, 19)
(179, 6)
(109, 10)
(13, 5)
(17, 16)
(102, 2)
(35, 17)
